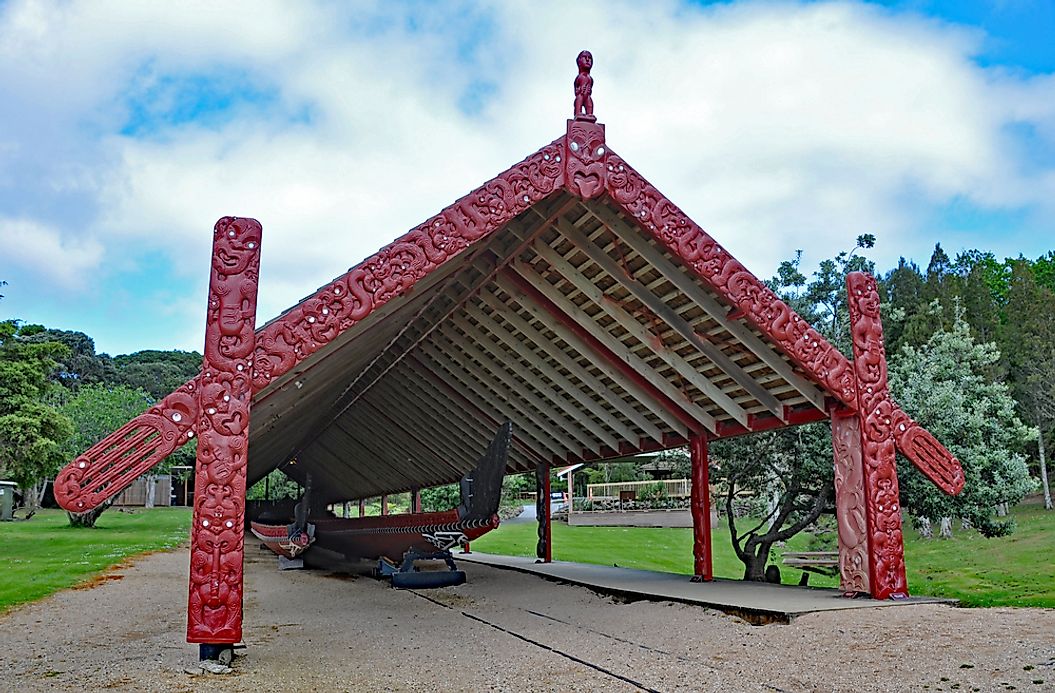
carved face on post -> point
(586, 158)
(585, 61)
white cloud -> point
(63, 262)
(776, 125)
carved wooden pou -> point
(224, 393)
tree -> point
(31, 430)
(275, 486)
(791, 470)
(902, 289)
(793, 464)
(82, 365)
(157, 372)
(1028, 340)
(945, 385)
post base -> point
(222, 653)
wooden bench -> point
(820, 562)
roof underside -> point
(570, 322)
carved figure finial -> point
(584, 88)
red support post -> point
(224, 393)
(415, 501)
(384, 505)
(362, 507)
(850, 502)
(876, 414)
(544, 547)
(700, 504)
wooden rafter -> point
(641, 333)
(471, 344)
(622, 230)
(472, 377)
(570, 364)
(543, 385)
(675, 321)
(689, 408)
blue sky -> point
(127, 129)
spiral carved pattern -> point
(225, 391)
(106, 470)
(850, 504)
(875, 412)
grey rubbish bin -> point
(7, 500)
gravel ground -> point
(503, 631)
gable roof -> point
(567, 294)
(581, 317)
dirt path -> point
(502, 631)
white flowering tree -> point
(948, 385)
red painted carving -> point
(930, 457)
(700, 506)
(584, 88)
(875, 412)
(115, 462)
(225, 391)
(719, 270)
(586, 153)
(103, 471)
(850, 504)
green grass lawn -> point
(45, 554)
(1010, 571)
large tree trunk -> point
(1001, 510)
(1043, 470)
(39, 489)
(152, 489)
(756, 554)
(88, 519)
(946, 528)
(924, 526)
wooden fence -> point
(675, 488)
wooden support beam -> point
(669, 402)
(557, 399)
(422, 371)
(683, 328)
(532, 336)
(471, 377)
(434, 411)
(850, 513)
(544, 547)
(700, 504)
(640, 332)
(525, 389)
(688, 285)
(580, 340)
(223, 397)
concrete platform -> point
(755, 602)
